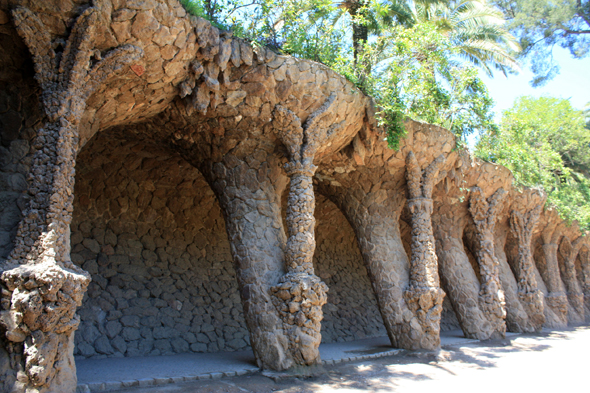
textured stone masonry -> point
(205, 126)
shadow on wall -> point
(149, 230)
(351, 312)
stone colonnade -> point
(255, 123)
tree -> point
(415, 74)
(544, 142)
(542, 24)
(476, 29)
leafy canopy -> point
(416, 74)
(416, 58)
(542, 24)
(544, 141)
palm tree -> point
(476, 29)
(474, 26)
(369, 16)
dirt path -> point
(555, 361)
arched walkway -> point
(149, 230)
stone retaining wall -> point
(149, 230)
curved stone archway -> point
(149, 230)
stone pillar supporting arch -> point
(575, 295)
(374, 214)
(557, 298)
(41, 287)
(300, 294)
(424, 296)
(517, 319)
(457, 274)
(249, 196)
(491, 295)
(523, 219)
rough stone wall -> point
(126, 61)
(351, 312)
(149, 230)
(20, 119)
(448, 320)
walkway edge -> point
(147, 382)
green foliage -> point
(410, 57)
(415, 73)
(301, 28)
(542, 24)
(543, 141)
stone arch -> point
(551, 318)
(150, 231)
(458, 277)
(352, 311)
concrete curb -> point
(147, 382)
(392, 352)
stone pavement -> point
(97, 375)
(548, 362)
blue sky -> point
(573, 82)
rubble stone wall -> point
(149, 230)
(352, 312)
(19, 122)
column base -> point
(426, 305)
(557, 301)
(576, 300)
(39, 319)
(299, 298)
(534, 307)
(492, 304)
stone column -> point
(423, 296)
(374, 217)
(491, 295)
(556, 299)
(517, 319)
(522, 225)
(41, 287)
(575, 296)
(456, 272)
(300, 294)
(249, 195)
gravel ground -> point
(551, 361)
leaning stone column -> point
(522, 225)
(491, 295)
(556, 299)
(456, 272)
(574, 293)
(300, 295)
(374, 217)
(517, 319)
(41, 287)
(423, 296)
(249, 195)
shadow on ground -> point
(388, 373)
